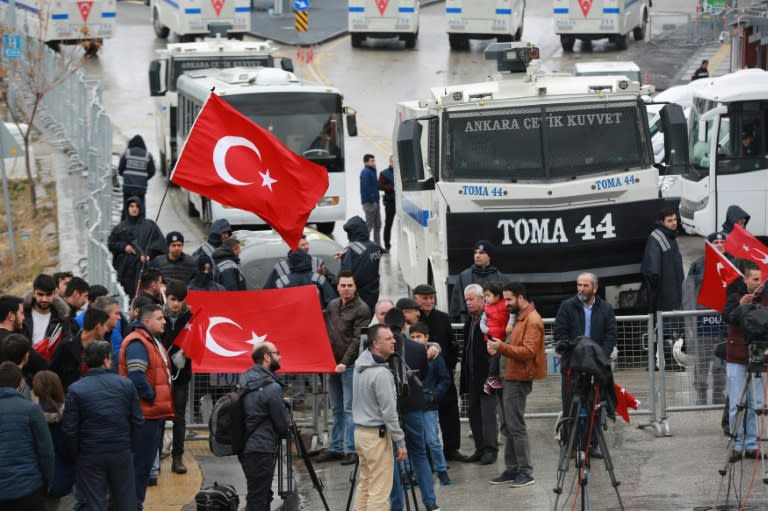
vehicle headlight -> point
(329, 201)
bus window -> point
(741, 141)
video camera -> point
(753, 320)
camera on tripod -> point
(753, 320)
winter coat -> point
(373, 397)
(475, 359)
(266, 416)
(524, 349)
(362, 257)
(282, 269)
(144, 236)
(59, 312)
(102, 414)
(345, 323)
(369, 186)
(216, 229)
(26, 447)
(436, 383)
(182, 269)
(441, 332)
(136, 166)
(662, 269)
(387, 185)
(64, 465)
(153, 385)
(472, 275)
(732, 214)
(301, 273)
(173, 327)
(736, 350)
(229, 274)
(67, 360)
(569, 325)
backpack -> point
(226, 427)
(219, 497)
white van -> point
(600, 19)
(197, 18)
(483, 19)
(596, 68)
(383, 19)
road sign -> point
(302, 21)
(9, 146)
(12, 46)
(300, 5)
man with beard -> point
(588, 315)
(11, 317)
(266, 422)
(45, 315)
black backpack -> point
(219, 497)
(226, 427)
(753, 319)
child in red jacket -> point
(494, 323)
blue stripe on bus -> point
(356, 9)
(610, 10)
(109, 15)
(193, 10)
(243, 9)
(413, 211)
(58, 16)
(503, 11)
(453, 10)
(172, 3)
(561, 10)
(406, 9)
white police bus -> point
(189, 19)
(307, 118)
(483, 19)
(556, 171)
(377, 19)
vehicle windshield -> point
(180, 65)
(546, 143)
(741, 138)
(309, 124)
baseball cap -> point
(173, 237)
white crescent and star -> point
(719, 267)
(223, 145)
(213, 345)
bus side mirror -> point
(351, 115)
(410, 158)
(675, 128)
(286, 64)
(155, 83)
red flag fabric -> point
(232, 160)
(226, 325)
(740, 243)
(624, 401)
(718, 273)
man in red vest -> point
(145, 362)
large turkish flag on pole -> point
(226, 325)
(232, 160)
(740, 243)
(718, 273)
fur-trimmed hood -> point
(59, 305)
(51, 410)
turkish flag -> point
(236, 162)
(740, 243)
(718, 273)
(226, 325)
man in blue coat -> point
(369, 197)
(26, 447)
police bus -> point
(307, 118)
(483, 19)
(197, 18)
(66, 22)
(728, 152)
(609, 19)
(377, 19)
(556, 171)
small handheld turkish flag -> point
(718, 273)
(236, 162)
(226, 325)
(740, 243)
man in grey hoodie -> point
(374, 410)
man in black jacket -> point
(137, 167)
(481, 272)
(67, 360)
(176, 264)
(266, 422)
(101, 421)
(588, 315)
(662, 265)
(362, 257)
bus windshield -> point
(546, 143)
(180, 64)
(309, 124)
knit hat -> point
(202, 261)
(173, 237)
(485, 246)
(716, 236)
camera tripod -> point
(586, 417)
(284, 462)
(752, 386)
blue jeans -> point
(432, 439)
(737, 375)
(413, 426)
(144, 456)
(100, 474)
(340, 392)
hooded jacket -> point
(374, 402)
(362, 257)
(266, 417)
(662, 269)
(216, 229)
(136, 166)
(472, 275)
(301, 273)
(732, 214)
(229, 274)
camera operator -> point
(588, 315)
(746, 291)
(408, 364)
(374, 410)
